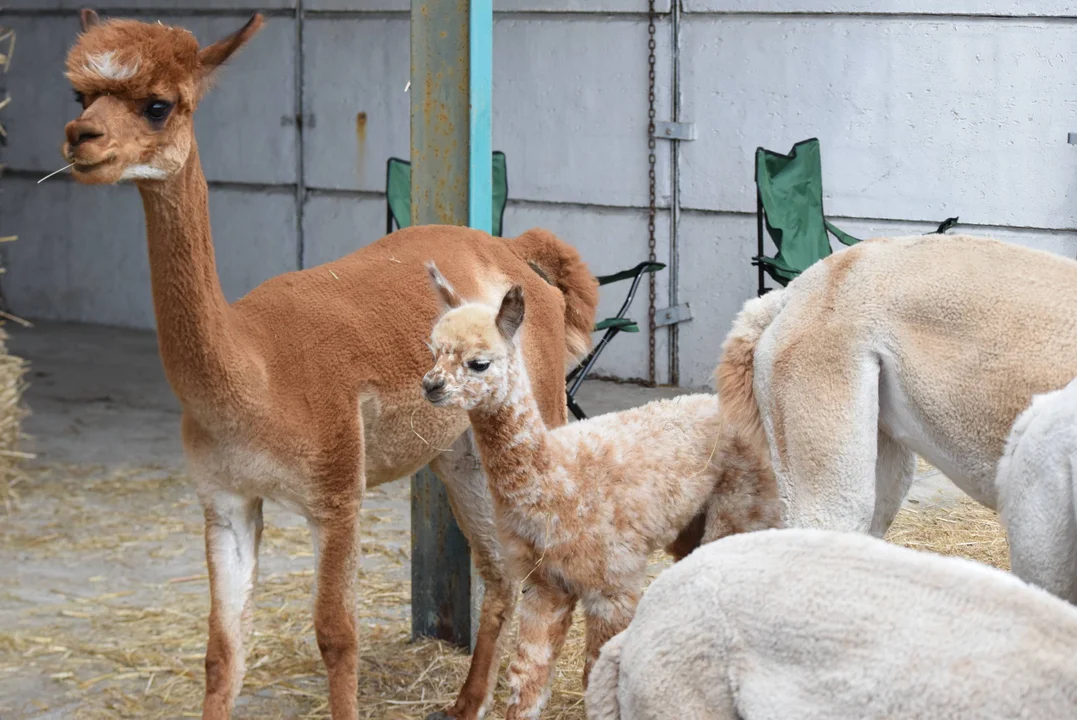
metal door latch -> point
(673, 315)
(664, 130)
(1071, 138)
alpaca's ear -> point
(213, 56)
(444, 289)
(511, 314)
(89, 18)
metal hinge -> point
(672, 315)
(664, 130)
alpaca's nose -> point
(432, 386)
(80, 131)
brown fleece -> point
(567, 272)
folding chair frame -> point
(618, 323)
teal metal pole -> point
(443, 191)
(480, 91)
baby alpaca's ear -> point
(443, 288)
(511, 314)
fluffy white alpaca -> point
(1036, 482)
(817, 625)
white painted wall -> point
(925, 109)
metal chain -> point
(652, 209)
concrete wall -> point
(924, 109)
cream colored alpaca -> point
(816, 625)
(932, 345)
(579, 508)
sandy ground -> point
(107, 545)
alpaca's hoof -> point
(439, 715)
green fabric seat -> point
(789, 197)
(398, 193)
(790, 207)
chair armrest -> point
(643, 267)
(622, 324)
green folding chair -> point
(398, 193)
(398, 212)
(789, 204)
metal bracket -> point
(672, 315)
(664, 130)
(1071, 138)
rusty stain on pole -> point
(439, 112)
(440, 562)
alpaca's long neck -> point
(513, 441)
(195, 328)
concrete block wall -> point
(924, 109)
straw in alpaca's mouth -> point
(88, 167)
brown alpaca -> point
(581, 507)
(305, 391)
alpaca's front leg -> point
(461, 471)
(545, 618)
(606, 615)
(233, 533)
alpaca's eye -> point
(478, 365)
(157, 110)
(80, 98)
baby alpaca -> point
(812, 624)
(579, 508)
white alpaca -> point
(579, 508)
(817, 625)
(1037, 478)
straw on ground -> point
(138, 652)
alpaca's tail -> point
(736, 369)
(601, 695)
(561, 266)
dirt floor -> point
(103, 593)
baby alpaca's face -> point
(470, 359)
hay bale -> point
(12, 369)
(12, 384)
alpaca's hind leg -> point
(465, 481)
(233, 533)
(819, 399)
(335, 619)
(894, 469)
(606, 615)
